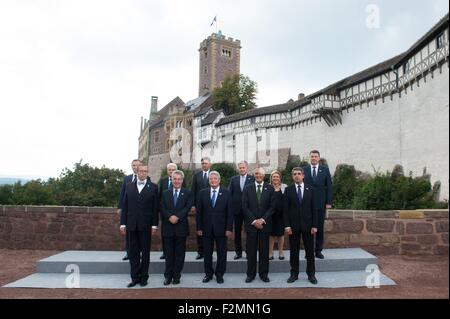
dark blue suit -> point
(120, 204)
(199, 183)
(126, 180)
(236, 198)
(174, 235)
(323, 195)
(214, 222)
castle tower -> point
(219, 56)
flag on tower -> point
(214, 20)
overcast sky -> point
(76, 76)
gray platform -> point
(339, 279)
(110, 262)
(341, 268)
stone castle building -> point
(396, 112)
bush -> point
(346, 181)
(390, 191)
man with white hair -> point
(176, 203)
(165, 183)
(214, 225)
(258, 202)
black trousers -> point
(221, 248)
(200, 249)
(320, 226)
(308, 243)
(139, 253)
(175, 252)
(238, 222)
(257, 242)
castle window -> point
(258, 139)
(156, 136)
(226, 53)
(406, 67)
(440, 41)
(206, 71)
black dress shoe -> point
(199, 257)
(125, 257)
(167, 281)
(207, 279)
(312, 279)
(162, 257)
(271, 258)
(132, 284)
(281, 257)
(265, 279)
(292, 279)
(220, 280)
(236, 257)
(249, 280)
(143, 283)
(176, 282)
(319, 255)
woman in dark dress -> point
(277, 218)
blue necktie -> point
(213, 199)
(299, 194)
(314, 175)
(175, 198)
(170, 183)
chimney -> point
(301, 96)
(154, 107)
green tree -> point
(237, 94)
(87, 186)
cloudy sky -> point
(75, 76)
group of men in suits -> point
(248, 201)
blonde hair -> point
(273, 173)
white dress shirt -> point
(242, 181)
(262, 187)
(312, 169)
(302, 189)
(211, 192)
(141, 186)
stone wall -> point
(419, 232)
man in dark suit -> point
(176, 204)
(128, 179)
(214, 225)
(200, 181)
(300, 218)
(139, 220)
(237, 185)
(164, 184)
(319, 177)
(258, 206)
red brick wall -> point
(88, 228)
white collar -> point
(256, 183)
(217, 189)
(302, 185)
